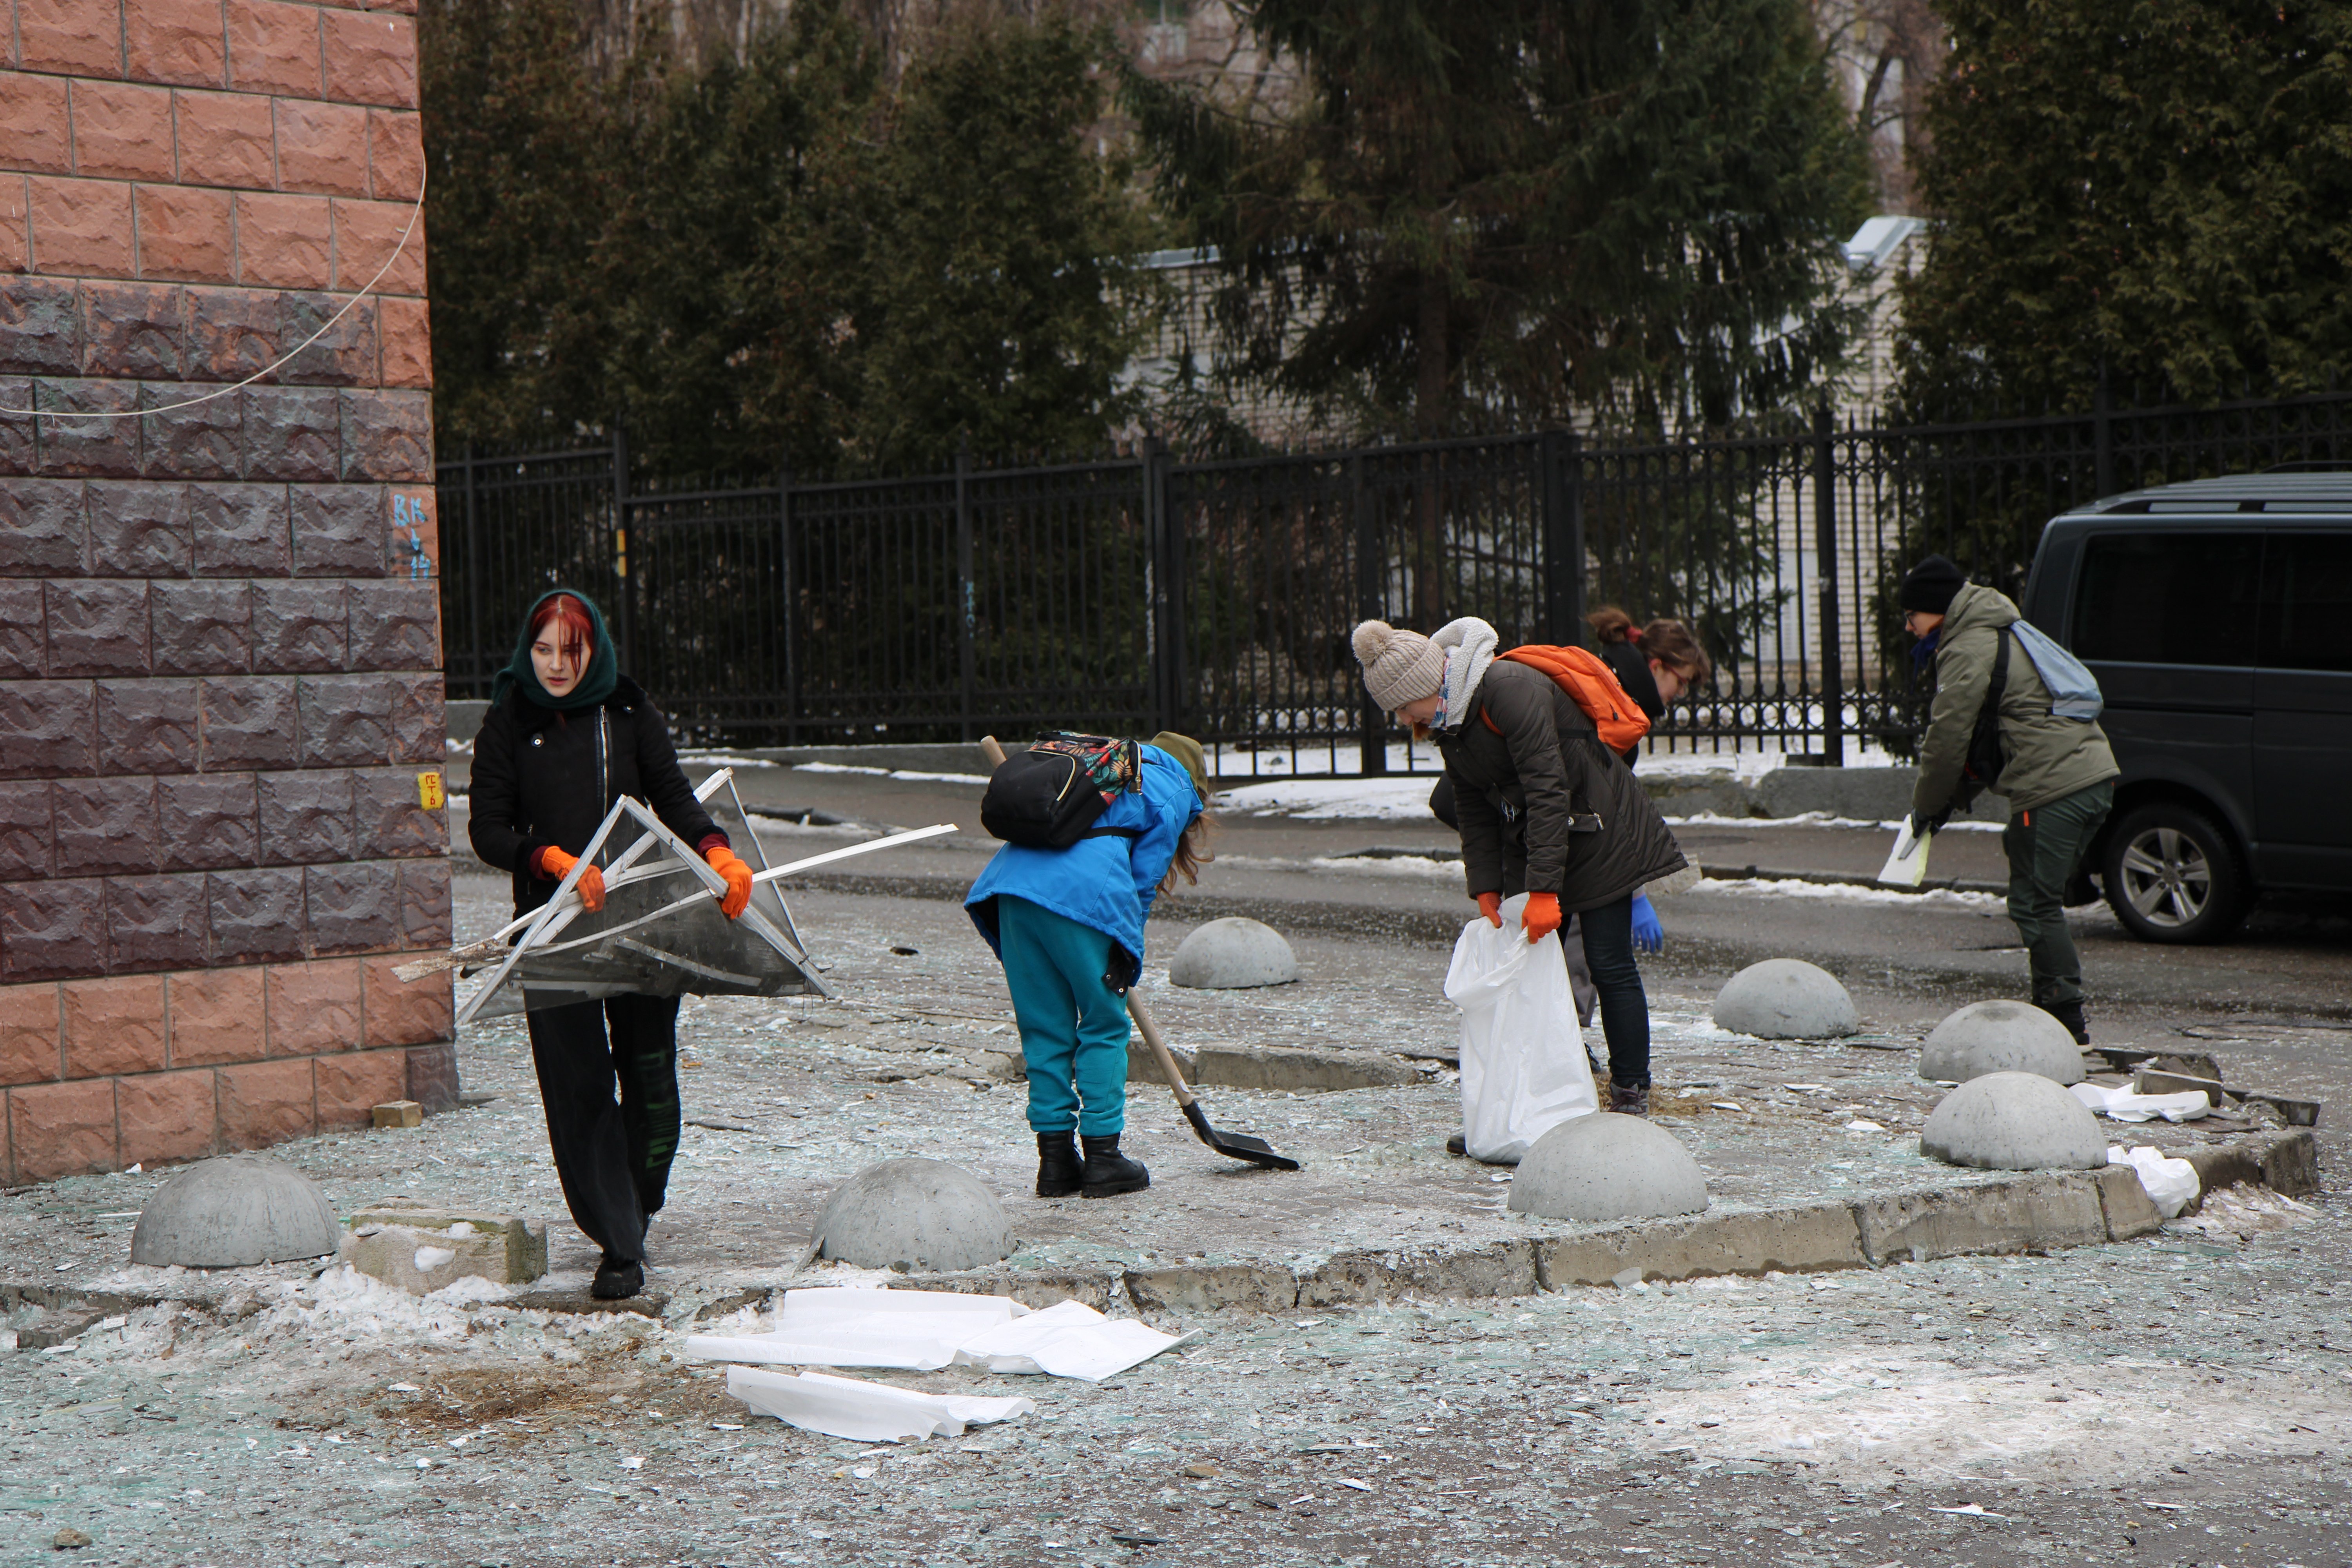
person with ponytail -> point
(566, 737)
(1655, 663)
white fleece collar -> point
(1469, 645)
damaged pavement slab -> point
(1941, 1389)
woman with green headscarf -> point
(567, 736)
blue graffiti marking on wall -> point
(408, 513)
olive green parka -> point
(2048, 757)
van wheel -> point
(2172, 875)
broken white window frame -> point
(564, 906)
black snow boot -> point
(1059, 1172)
(1110, 1172)
(2071, 1014)
(617, 1280)
(1629, 1098)
(1458, 1146)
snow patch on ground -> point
(1790, 888)
(1325, 800)
(890, 773)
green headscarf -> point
(596, 682)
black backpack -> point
(1047, 796)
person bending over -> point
(1543, 809)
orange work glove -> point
(1542, 916)
(555, 865)
(738, 880)
(1491, 906)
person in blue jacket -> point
(1067, 924)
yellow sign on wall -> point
(429, 794)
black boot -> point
(1059, 1173)
(1458, 1146)
(617, 1280)
(1110, 1172)
(1629, 1098)
(2071, 1014)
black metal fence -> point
(1216, 597)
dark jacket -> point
(1523, 762)
(1631, 665)
(542, 777)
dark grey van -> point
(2217, 616)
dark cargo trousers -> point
(2045, 846)
(613, 1157)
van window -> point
(2168, 598)
(2307, 603)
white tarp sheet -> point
(866, 1412)
(2123, 1105)
(923, 1330)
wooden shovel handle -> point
(1167, 1070)
(1135, 1008)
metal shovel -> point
(1234, 1145)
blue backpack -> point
(2074, 689)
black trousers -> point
(613, 1157)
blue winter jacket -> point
(1105, 884)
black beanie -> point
(1930, 586)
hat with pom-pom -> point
(1399, 667)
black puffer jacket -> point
(1524, 761)
(542, 777)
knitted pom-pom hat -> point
(1399, 667)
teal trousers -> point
(1074, 1027)
(2045, 845)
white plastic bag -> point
(2172, 1184)
(1522, 1066)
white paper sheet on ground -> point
(922, 1331)
(1907, 867)
(866, 1412)
(2123, 1105)
(1067, 1339)
(918, 1331)
(2172, 1184)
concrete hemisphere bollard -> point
(1603, 1166)
(1999, 1036)
(2013, 1121)
(1232, 955)
(234, 1212)
(1786, 999)
(914, 1214)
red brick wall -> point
(218, 669)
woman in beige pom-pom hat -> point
(1543, 809)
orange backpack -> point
(1593, 685)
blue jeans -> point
(1624, 1007)
(1074, 1027)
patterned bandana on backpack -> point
(1047, 796)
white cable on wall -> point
(414, 214)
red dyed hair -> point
(574, 630)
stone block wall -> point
(219, 627)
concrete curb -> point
(2033, 1212)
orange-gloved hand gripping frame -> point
(738, 896)
(555, 865)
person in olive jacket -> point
(1543, 809)
(566, 737)
(2057, 773)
